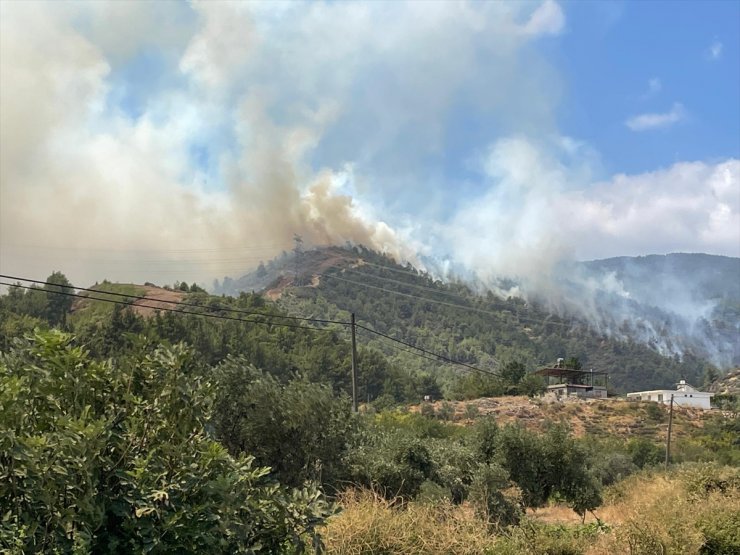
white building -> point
(684, 395)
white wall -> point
(697, 399)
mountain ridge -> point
(481, 329)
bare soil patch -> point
(157, 298)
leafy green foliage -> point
(553, 463)
(299, 429)
(105, 458)
(645, 453)
(453, 320)
(493, 498)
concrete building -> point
(684, 395)
(567, 382)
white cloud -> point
(714, 52)
(688, 207)
(541, 205)
(646, 122)
(547, 19)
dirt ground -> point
(612, 417)
(156, 298)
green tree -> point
(513, 372)
(532, 385)
(644, 452)
(573, 363)
(99, 457)
(300, 429)
(58, 299)
(493, 498)
(543, 465)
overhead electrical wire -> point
(426, 352)
(418, 351)
(436, 301)
(177, 303)
(423, 287)
(172, 310)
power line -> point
(205, 315)
(423, 287)
(443, 303)
(418, 351)
(394, 344)
(177, 303)
(426, 352)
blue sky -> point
(608, 57)
(500, 137)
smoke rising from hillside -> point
(247, 123)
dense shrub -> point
(543, 465)
(97, 457)
(493, 497)
(301, 430)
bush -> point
(611, 467)
(299, 429)
(543, 465)
(392, 463)
(105, 458)
(493, 497)
(645, 453)
(534, 538)
(446, 411)
(532, 385)
(655, 411)
(454, 466)
(721, 531)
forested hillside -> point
(450, 318)
(167, 420)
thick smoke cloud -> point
(167, 141)
(81, 177)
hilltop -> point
(154, 298)
(453, 319)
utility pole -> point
(354, 366)
(668, 439)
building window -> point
(660, 398)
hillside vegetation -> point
(451, 319)
(225, 426)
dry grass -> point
(369, 524)
(676, 513)
(691, 510)
(612, 418)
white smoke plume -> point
(164, 140)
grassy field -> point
(692, 509)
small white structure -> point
(684, 395)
